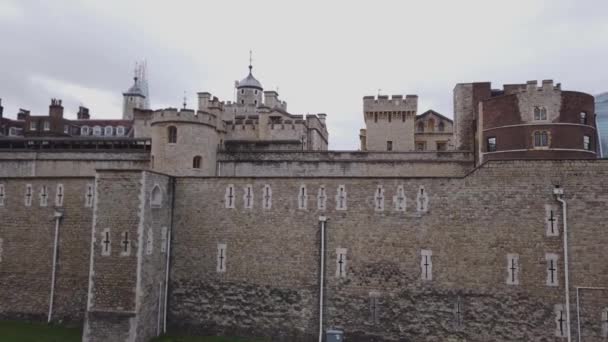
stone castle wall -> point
(265, 281)
(26, 248)
(469, 227)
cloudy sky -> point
(323, 55)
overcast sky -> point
(323, 55)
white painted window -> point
(513, 269)
(426, 264)
(321, 198)
(422, 200)
(540, 113)
(248, 196)
(163, 239)
(551, 220)
(120, 130)
(340, 262)
(46, 125)
(28, 195)
(89, 196)
(221, 258)
(541, 139)
(561, 325)
(32, 125)
(302, 197)
(2, 195)
(84, 130)
(552, 269)
(44, 196)
(150, 242)
(125, 244)
(604, 321)
(229, 197)
(379, 198)
(59, 195)
(374, 307)
(97, 131)
(341, 198)
(267, 197)
(399, 199)
(1, 248)
(106, 242)
(587, 142)
(66, 129)
(156, 197)
(13, 131)
(108, 131)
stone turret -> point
(390, 122)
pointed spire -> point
(250, 61)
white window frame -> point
(341, 252)
(120, 131)
(33, 126)
(44, 200)
(109, 129)
(586, 143)
(12, 132)
(221, 258)
(59, 199)
(46, 125)
(426, 264)
(85, 130)
(97, 131)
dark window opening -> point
(172, 131)
(389, 145)
(196, 162)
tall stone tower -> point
(466, 113)
(137, 95)
(389, 122)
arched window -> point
(84, 130)
(108, 131)
(420, 127)
(541, 139)
(196, 162)
(156, 197)
(441, 127)
(172, 132)
(540, 113)
(120, 130)
(97, 131)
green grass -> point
(201, 339)
(37, 332)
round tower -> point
(249, 90)
(133, 98)
(184, 142)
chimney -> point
(23, 114)
(203, 100)
(56, 109)
(83, 113)
(1, 110)
(271, 99)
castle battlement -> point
(384, 103)
(183, 115)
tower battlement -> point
(384, 103)
(184, 115)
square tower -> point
(390, 122)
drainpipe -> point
(559, 194)
(169, 233)
(323, 221)
(57, 216)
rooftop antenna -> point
(185, 99)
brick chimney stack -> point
(56, 109)
(1, 110)
(83, 113)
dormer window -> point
(47, 126)
(12, 131)
(120, 131)
(583, 118)
(97, 131)
(84, 130)
(540, 113)
(33, 126)
(108, 131)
